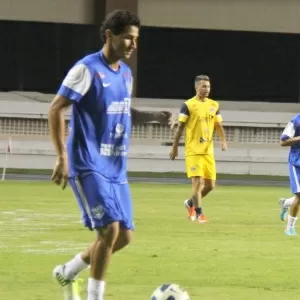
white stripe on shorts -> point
(84, 201)
(296, 179)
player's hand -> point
(165, 117)
(224, 146)
(173, 153)
(60, 172)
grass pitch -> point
(241, 253)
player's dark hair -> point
(117, 21)
(201, 77)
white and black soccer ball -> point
(170, 292)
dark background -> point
(36, 56)
(249, 66)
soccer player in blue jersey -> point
(291, 137)
(94, 161)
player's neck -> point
(111, 59)
(202, 99)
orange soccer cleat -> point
(202, 219)
(191, 210)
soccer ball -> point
(170, 292)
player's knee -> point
(210, 186)
(110, 234)
(297, 199)
(126, 236)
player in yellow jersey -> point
(200, 117)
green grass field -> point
(241, 254)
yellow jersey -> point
(200, 118)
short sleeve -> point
(76, 84)
(218, 117)
(183, 114)
(288, 132)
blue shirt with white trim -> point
(100, 123)
(291, 130)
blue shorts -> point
(294, 179)
(102, 202)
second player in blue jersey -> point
(291, 137)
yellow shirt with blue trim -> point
(200, 118)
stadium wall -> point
(242, 45)
(263, 15)
(253, 133)
(32, 154)
(58, 11)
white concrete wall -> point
(57, 11)
(259, 160)
(231, 115)
(245, 15)
(17, 102)
(30, 152)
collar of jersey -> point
(206, 100)
(103, 59)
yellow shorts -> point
(202, 165)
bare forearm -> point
(221, 132)
(57, 129)
(290, 141)
(140, 117)
(178, 135)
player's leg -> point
(209, 175)
(194, 171)
(66, 274)
(285, 204)
(123, 240)
(207, 183)
(100, 258)
(207, 186)
(295, 187)
(292, 217)
(196, 196)
(209, 179)
(120, 226)
(87, 190)
(82, 260)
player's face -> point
(203, 88)
(125, 43)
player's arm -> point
(140, 117)
(288, 136)
(57, 123)
(74, 87)
(178, 133)
(182, 119)
(219, 127)
(220, 130)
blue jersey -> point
(100, 122)
(291, 130)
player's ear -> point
(108, 34)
